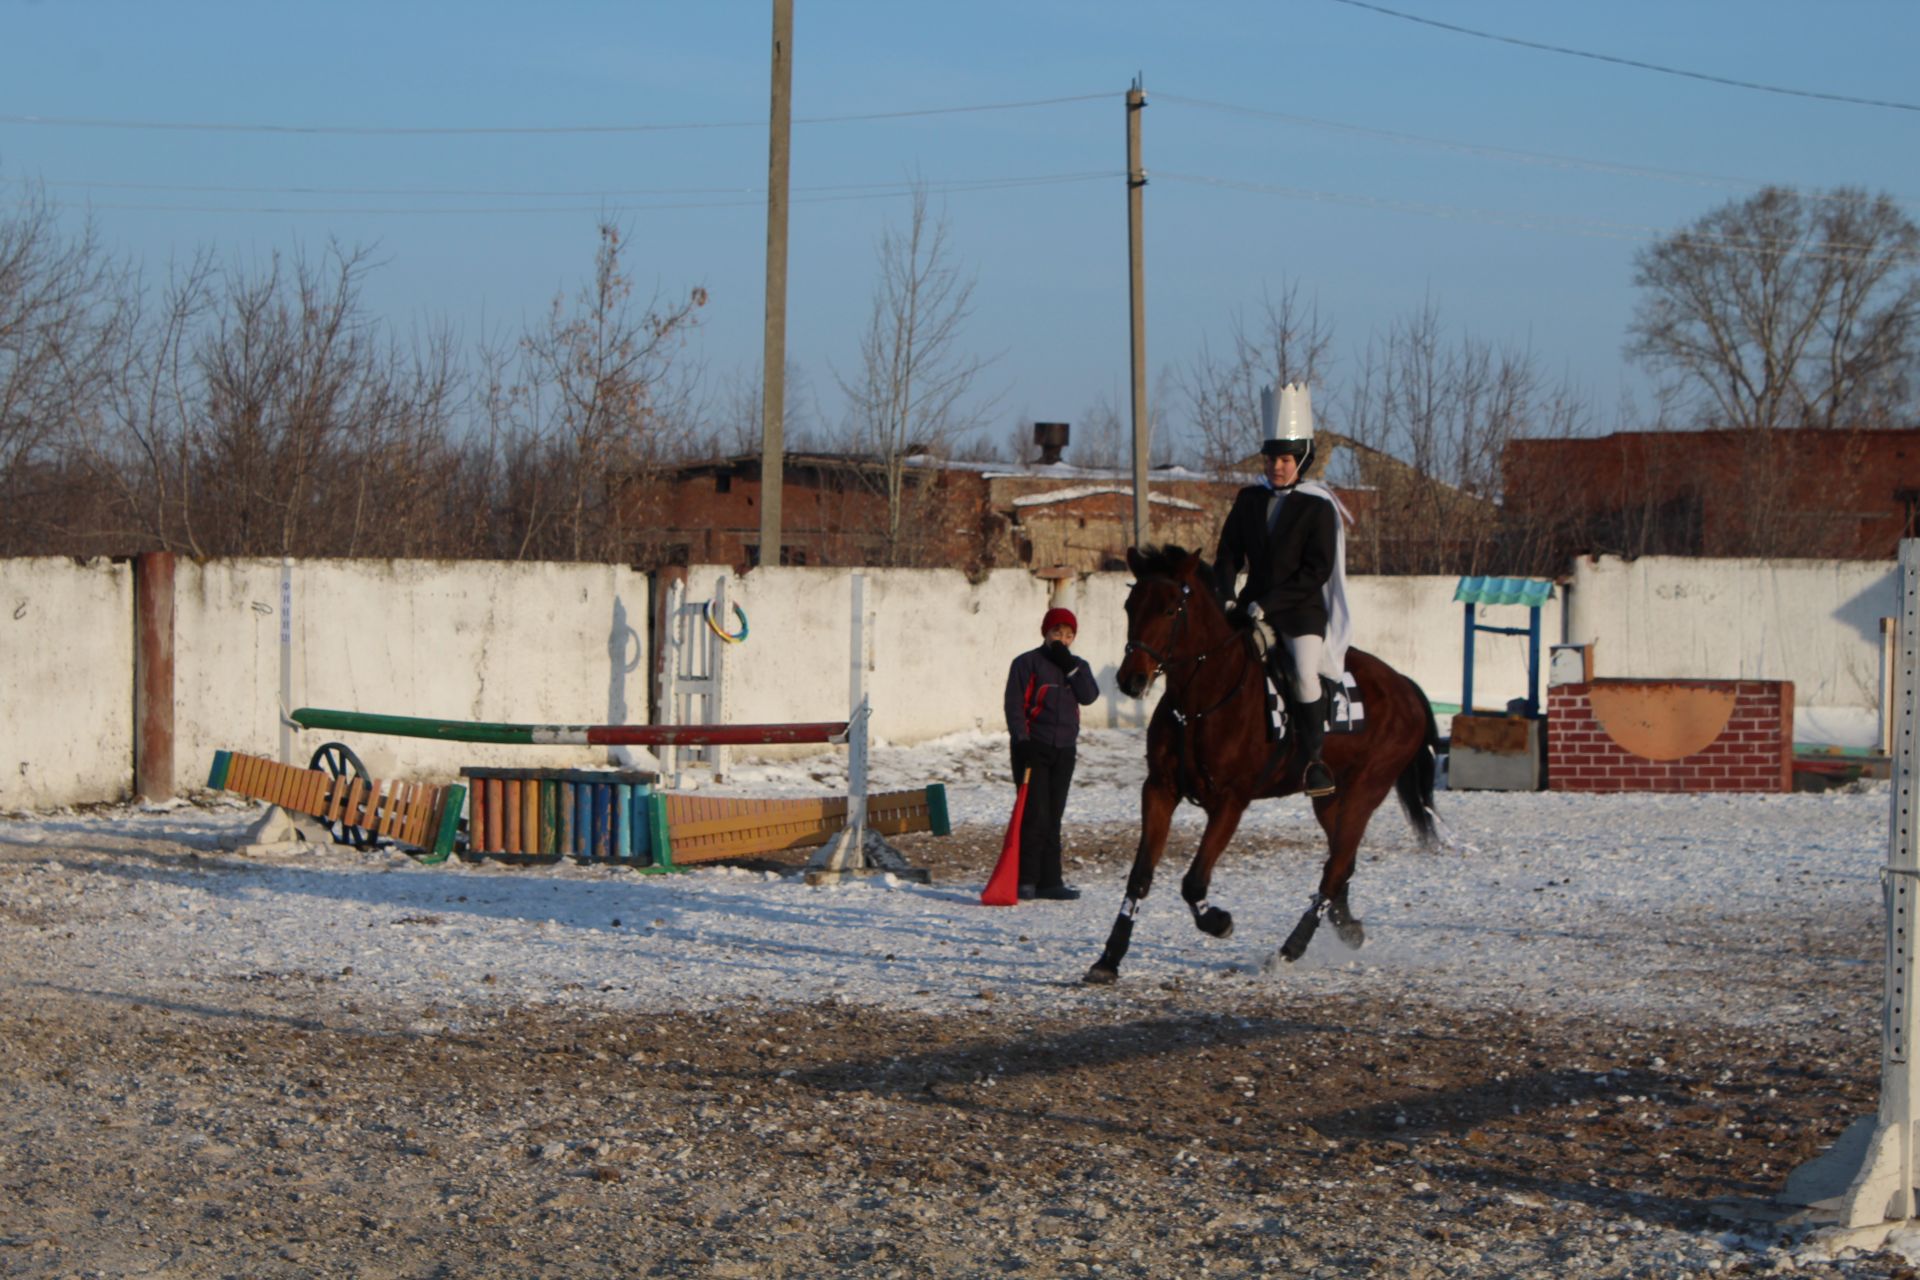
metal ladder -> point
(693, 684)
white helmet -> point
(1287, 423)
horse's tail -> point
(1415, 783)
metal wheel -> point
(338, 760)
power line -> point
(895, 191)
(187, 126)
(1568, 223)
(1631, 62)
(1544, 158)
(885, 188)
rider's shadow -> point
(1122, 712)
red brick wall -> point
(1845, 504)
(1753, 753)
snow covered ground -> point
(1742, 909)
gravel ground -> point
(294, 1124)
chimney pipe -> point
(1052, 438)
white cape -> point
(1333, 654)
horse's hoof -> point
(1101, 976)
(1217, 922)
(1351, 932)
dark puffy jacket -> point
(1043, 702)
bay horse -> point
(1208, 744)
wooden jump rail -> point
(709, 828)
(412, 813)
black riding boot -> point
(1308, 721)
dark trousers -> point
(1051, 774)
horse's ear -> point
(1133, 560)
(1191, 565)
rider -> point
(1286, 533)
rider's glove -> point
(1254, 611)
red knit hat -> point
(1059, 618)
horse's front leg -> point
(1157, 803)
(1223, 819)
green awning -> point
(1531, 592)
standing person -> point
(1046, 687)
(1286, 532)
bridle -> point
(1187, 721)
(1160, 660)
(1165, 662)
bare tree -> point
(910, 396)
(737, 421)
(596, 409)
(64, 318)
(1433, 415)
(1287, 341)
(1786, 310)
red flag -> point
(1003, 886)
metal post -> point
(1887, 649)
(855, 847)
(1864, 1183)
(674, 637)
(1137, 293)
(720, 758)
(1533, 664)
(1466, 682)
(773, 370)
(286, 658)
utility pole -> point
(773, 370)
(1137, 287)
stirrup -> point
(1308, 785)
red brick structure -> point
(1826, 494)
(1670, 735)
(965, 515)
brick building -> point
(1830, 494)
(969, 515)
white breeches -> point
(1305, 652)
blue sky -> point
(1390, 152)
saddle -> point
(1346, 713)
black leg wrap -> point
(1107, 967)
(1296, 944)
(1216, 922)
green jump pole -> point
(597, 735)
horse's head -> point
(1171, 614)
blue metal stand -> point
(1531, 593)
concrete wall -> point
(937, 645)
(550, 643)
(539, 643)
(66, 682)
(1814, 622)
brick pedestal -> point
(1619, 735)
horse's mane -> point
(1165, 561)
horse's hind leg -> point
(1222, 822)
(1344, 818)
(1157, 802)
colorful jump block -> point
(418, 814)
(556, 813)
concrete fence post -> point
(153, 675)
